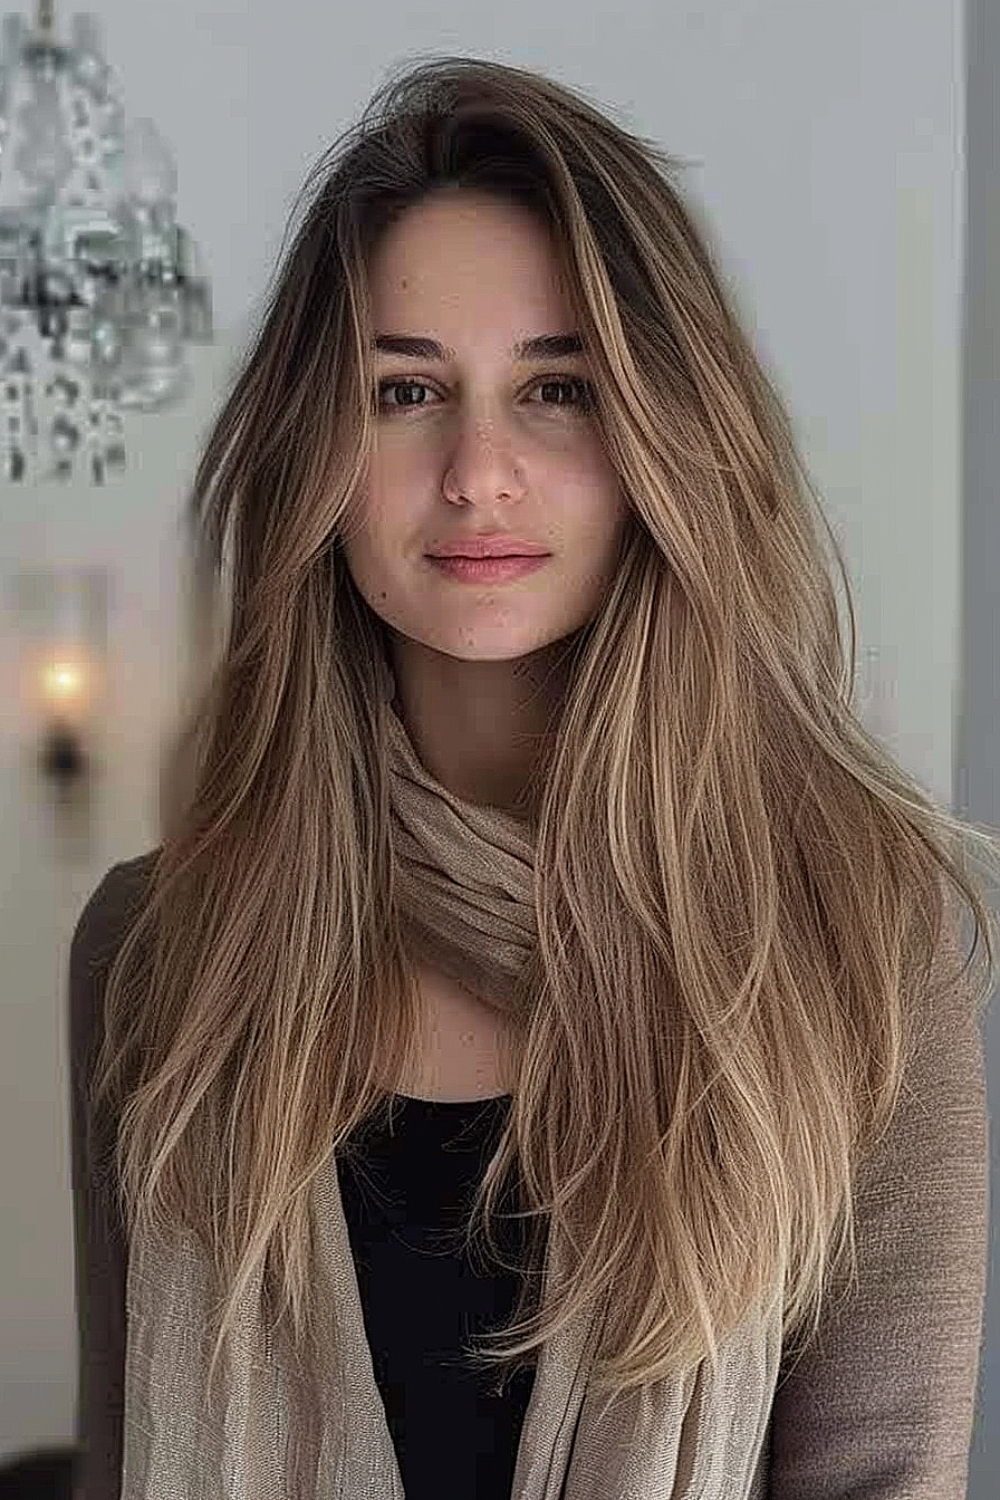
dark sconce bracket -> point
(62, 757)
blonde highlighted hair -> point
(739, 894)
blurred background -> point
(847, 175)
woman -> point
(577, 879)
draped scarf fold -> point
(464, 875)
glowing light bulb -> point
(65, 685)
(63, 680)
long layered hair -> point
(739, 895)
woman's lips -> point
(488, 569)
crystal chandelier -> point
(100, 287)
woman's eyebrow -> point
(541, 347)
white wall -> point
(831, 182)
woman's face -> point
(479, 439)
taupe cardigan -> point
(879, 1408)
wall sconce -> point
(62, 632)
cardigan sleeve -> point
(881, 1405)
(100, 1254)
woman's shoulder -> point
(99, 932)
(111, 905)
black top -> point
(425, 1296)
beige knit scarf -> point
(465, 877)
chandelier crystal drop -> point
(100, 287)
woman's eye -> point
(385, 386)
(576, 391)
(584, 391)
